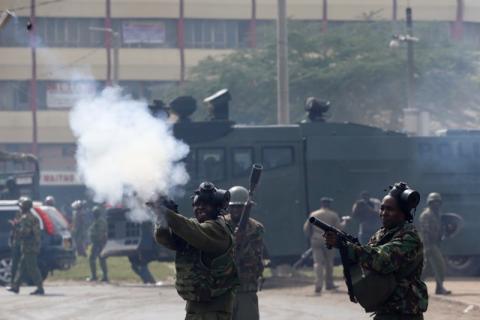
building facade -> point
(157, 41)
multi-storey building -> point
(158, 41)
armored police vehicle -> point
(305, 161)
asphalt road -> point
(78, 301)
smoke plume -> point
(124, 154)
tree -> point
(352, 66)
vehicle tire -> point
(5, 270)
(463, 266)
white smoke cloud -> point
(124, 154)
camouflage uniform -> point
(394, 251)
(322, 257)
(98, 237)
(431, 231)
(15, 246)
(249, 257)
(206, 273)
(29, 235)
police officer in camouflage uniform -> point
(248, 255)
(14, 243)
(206, 276)
(98, 238)
(29, 237)
(431, 230)
(322, 257)
(395, 248)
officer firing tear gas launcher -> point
(384, 276)
(204, 246)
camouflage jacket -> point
(203, 261)
(98, 231)
(430, 228)
(249, 254)
(29, 234)
(14, 239)
(394, 251)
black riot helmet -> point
(406, 197)
(208, 193)
(25, 204)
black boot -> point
(38, 292)
(13, 289)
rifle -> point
(254, 179)
(300, 262)
(343, 238)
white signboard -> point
(59, 178)
(62, 95)
(143, 32)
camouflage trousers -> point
(434, 260)
(16, 256)
(209, 316)
(323, 265)
(94, 255)
(246, 306)
(386, 316)
(28, 269)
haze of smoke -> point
(124, 154)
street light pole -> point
(116, 63)
(410, 61)
(33, 83)
(116, 53)
(108, 40)
(283, 109)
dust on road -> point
(78, 301)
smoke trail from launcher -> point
(125, 155)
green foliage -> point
(118, 268)
(353, 66)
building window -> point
(14, 33)
(70, 32)
(242, 161)
(211, 164)
(275, 157)
(147, 33)
(217, 34)
(14, 95)
(147, 90)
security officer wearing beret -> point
(29, 237)
(432, 233)
(394, 251)
(322, 257)
(249, 250)
(206, 276)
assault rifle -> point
(343, 238)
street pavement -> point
(85, 301)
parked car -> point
(56, 251)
